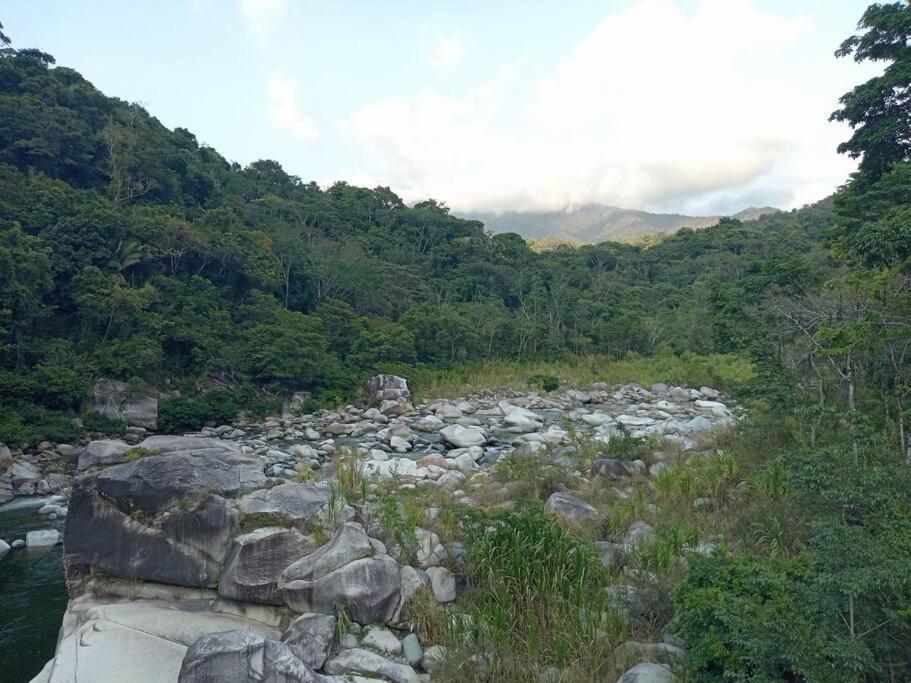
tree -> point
(879, 110)
(25, 276)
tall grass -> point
(536, 600)
(718, 370)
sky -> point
(690, 106)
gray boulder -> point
(23, 474)
(344, 574)
(463, 437)
(388, 388)
(118, 401)
(569, 507)
(609, 468)
(648, 673)
(255, 562)
(310, 637)
(299, 504)
(243, 656)
(358, 661)
(102, 452)
(161, 518)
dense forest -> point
(130, 251)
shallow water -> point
(32, 593)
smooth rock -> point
(256, 560)
(569, 507)
(359, 661)
(443, 583)
(382, 640)
(42, 538)
(310, 637)
(648, 673)
(243, 656)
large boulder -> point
(463, 437)
(299, 504)
(388, 388)
(23, 474)
(344, 574)
(255, 562)
(310, 636)
(568, 507)
(118, 401)
(103, 452)
(161, 518)
(243, 656)
(140, 641)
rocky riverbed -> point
(231, 554)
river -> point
(32, 593)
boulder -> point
(102, 452)
(388, 387)
(255, 562)
(463, 437)
(569, 507)
(23, 474)
(609, 468)
(382, 640)
(116, 400)
(443, 583)
(4, 547)
(42, 538)
(412, 650)
(359, 661)
(429, 423)
(344, 573)
(648, 672)
(243, 656)
(310, 637)
(161, 518)
(412, 580)
(299, 504)
(639, 535)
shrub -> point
(187, 413)
(545, 382)
(28, 423)
(102, 424)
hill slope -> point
(593, 223)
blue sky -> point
(701, 106)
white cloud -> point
(285, 109)
(445, 53)
(657, 107)
(262, 15)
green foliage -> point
(536, 599)
(137, 452)
(96, 423)
(189, 413)
(544, 382)
(29, 423)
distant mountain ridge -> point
(592, 223)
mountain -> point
(593, 223)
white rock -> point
(443, 583)
(41, 538)
(462, 437)
(382, 640)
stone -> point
(399, 444)
(23, 473)
(360, 661)
(452, 480)
(302, 450)
(243, 656)
(118, 401)
(310, 637)
(463, 437)
(448, 411)
(382, 640)
(648, 672)
(443, 583)
(344, 573)
(109, 525)
(299, 504)
(412, 650)
(429, 552)
(569, 507)
(388, 387)
(612, 555)
(102, 452)
(429, 423)
(4, 547)
(639, 535)
(578, 396)
(433, 658)
(42, 538)
(609, 468)
(256, 560)
(412, 580)
(396, 407)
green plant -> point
(97, 423)
(351, 474)
(137, 452)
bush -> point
(28, 423)
(545, 382)
(101, 424)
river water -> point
(32, 593)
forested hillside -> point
(132, 252)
